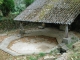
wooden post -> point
(66, 31)
(21, 29)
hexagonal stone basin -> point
(33, 44)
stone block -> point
(66, 40)
(63, 46)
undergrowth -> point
(75, 53)
(7, 23)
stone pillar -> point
(66, 31)
(21, 29)
(66, 39)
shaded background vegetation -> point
(7, 6)
(9, 10)
(76, 24)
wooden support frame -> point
(21, 29)
(66, 31)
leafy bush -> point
(7, 6)
(1, 1)
(7, 23)
(19, 8)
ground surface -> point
(6, 56)
(33, 44)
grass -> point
(33, 58)
(75, 55)
(73, 40)
(41, 54)
(36, 57)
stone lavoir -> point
(61, 12)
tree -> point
(7, 6)
(1, 1)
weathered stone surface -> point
(64, 56)
(49, 58)
(66, 40)
(63, 46)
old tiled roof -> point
(51, 11)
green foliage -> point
(36, 57)
(33, 58)
(28, 2)
(7, 6)
(1, 1)
(19, 8)
(41, 54)
(7, 23)
(74, 56)
(55, 51)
